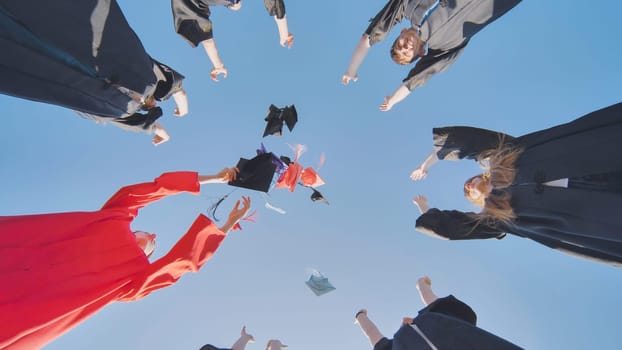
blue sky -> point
(540, 65)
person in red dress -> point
(59, 269)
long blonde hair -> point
(500, 171)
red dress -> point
(58, 269)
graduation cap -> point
(277, 116)
(319, 284)
(255, 174)
(317, 196)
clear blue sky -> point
(544, 63)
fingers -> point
(419, 199)
(290, 41)
(247, 202)
(232, 173)
(418, 174)
(216, 71)
(386, 106)
(178, 113)
(427, 280)
(345, 80)
(236, 206)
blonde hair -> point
(499, 164)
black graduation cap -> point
(317, 196)
(275, 118)
(255, 174)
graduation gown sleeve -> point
(435, 61)
(455, 225)
(193, 250)
(192, 22)
(275, 8)
(390, 15)
(171, 84)
(134, 197)
(459, 142)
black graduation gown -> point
(82, 55)
(192, 17)
(447, 324)
(578, 221)
(212, 347)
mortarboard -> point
(255, 174)
(317, 196)
(319, 284)
(277, 116)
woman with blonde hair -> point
(561, 187)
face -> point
(477, 189)
(146, 241)
(407, 46)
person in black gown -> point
(193, 23)
(84, 56)
(561, 187)
(444, 323)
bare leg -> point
(424, 285)
(245, 338)
(368, 327)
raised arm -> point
(368, 327)
(212, 52)
(455, 225)
(424, 286)
(181, 100)
(422, 170)
(189, 254)
(459, 142)
(192, 22)
(134, 197)
(391, 14)
(357, 58)
(276, 9)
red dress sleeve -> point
(135, 197)
(193, 250)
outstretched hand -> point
(387, 105)
(160, 136)
(424, 281)
(227, 174)
(238, 213)
(287, 41)
(243, 334)
(422, 203)
(345, 80)
(217, 71)
(419, 174)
